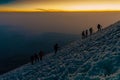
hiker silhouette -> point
(91, 31)
(41, 53)
(83, 34)
(99, 27)
(32, 59)
(86, 33)
(36, 57)
(56, 48)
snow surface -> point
(94, 58)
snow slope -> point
(94, 58)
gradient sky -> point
(58, 22)
(59, 5)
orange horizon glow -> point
(62, 6)
(61, 11)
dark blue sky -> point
(6, 1)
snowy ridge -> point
(94, 58)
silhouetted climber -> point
(83, 34)
(91, 31)
(41, 55)
(86, 33)
(32, 59)
(36, 57)
(99, 27)
(56, 48)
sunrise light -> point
(61, 6)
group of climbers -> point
(38, 57)
(86, 33)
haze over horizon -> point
(36, 15)
(57, 22)
(23, 21)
